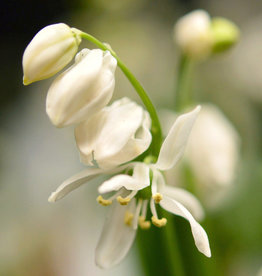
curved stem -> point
(156, 128)
(183, 96)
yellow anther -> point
(159, 222)
(102, 201)
(157, 197)
(143, 223)
(123, 200)
(128, 218)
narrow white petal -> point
(139, 180)
(186, 198)
(199, 234)
(174, 145)
(116, 238)
(158, 182)
(79, 179)
(74, 182)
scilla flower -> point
(193, 35)
(83, 89)
(114, 135)
(138, 186)
(213, 155)
(198, 36)
(50, 51)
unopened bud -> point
(225, 34)
(50, 51)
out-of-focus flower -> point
(193, 35)
(213, 154)
(213, 151)
(225, 34)
(83, 89)
(138, 186)
(198, 35)
(114, 135)
(50, 51)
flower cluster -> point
(111, 139)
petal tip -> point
(26, 81)
(52, 198)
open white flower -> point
(83, 89)
(50, 51)
(134, 190)
(114, 135)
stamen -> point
(128, 218)
(155, 220)
(143, 223)
(138, 209)
(102, 201)
(106, 202)
(159, 222)
(144, 208)
(157, 197)
(125, 200)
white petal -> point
(199, 234)
(82, 90)
(74, 182)
(116, 238)
(135, 146)
(186, 198)
(107, 132)
(174, 145)
(158, 182)
(139, 180)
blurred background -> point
(38, 238)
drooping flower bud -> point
(114, 135)
(83, 89)
(50, 51)
(193, 35)
(225, 34)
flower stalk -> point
(156, 128)
(183, 93)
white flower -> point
(134, 190)
(213, 153)
(83, 89)
(50, 51)
(193, 34)
(114, 135)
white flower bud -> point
(83, 89)
(193, 34)
(50, 51)
(114, 135)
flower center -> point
(137, 218)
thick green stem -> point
(156, 128)
(183, 96)
(172, 248)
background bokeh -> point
(38, 238)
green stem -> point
(172, 247)
(156, 128)
(183, 96)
